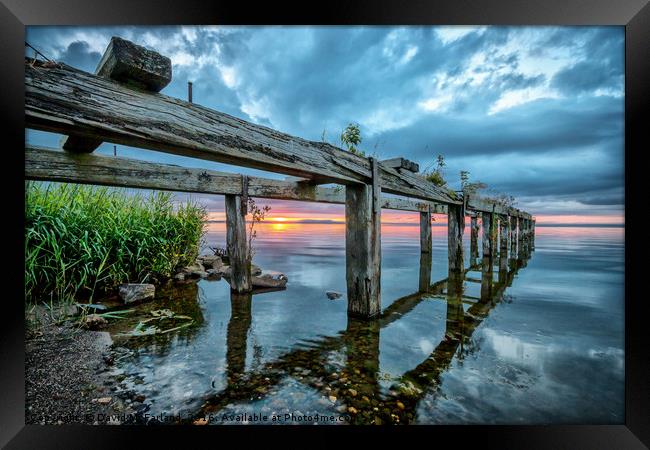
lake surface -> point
(539, 341)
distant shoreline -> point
(411, 224)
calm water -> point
(539, 341)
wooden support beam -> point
(487, 225)
(475, 203)
(363, 247)
(532, 233)
(134, 66)
(425, 232)
(473, 245)
(237, 243)
(65, 100)
(504, 234)
(455, 227)
(401, 163)
(404, 204)
(513, 235)
(52, 165)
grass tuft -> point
(82, 241)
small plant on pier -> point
(466, 186)
(257, 215)
(436, 176)
(351, 137)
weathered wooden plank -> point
(240, 264)
(455, 227)
(362, 250)
(425, 232)
(403, 204)
(475, 203)
(51, 165)
(133, 65)
(65, 100)
(401, 163)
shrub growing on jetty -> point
(81, 241)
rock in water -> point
(255, 270)
(270, 279)
(95, 322)
(135, 292)
(333, 295)
(180, 276)
(211, 261)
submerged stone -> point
(270, 279)
(135, 292)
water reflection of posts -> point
(455, 228)
(425, 272)
(455, 312)
(486, 280)
(425, 252)
(503, 246)
(237, 334)
(361, 367)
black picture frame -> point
(633, 14)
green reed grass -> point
(81, 241)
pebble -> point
(352, 392)
(352, 410)
(400, 405)
(332, 399)
(104, 400)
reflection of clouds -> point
(426, 346)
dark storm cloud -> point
(540, 126)
(78, 54)
(585, 76)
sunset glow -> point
(285, 215)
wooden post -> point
(455, 227)
(504, 234)
(424, 282)
(189, 91)
(486, 219)
(532, 234)
(513, 235)
(240, 265)
(425, 232)
(473, 246)
(363, 246)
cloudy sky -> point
(536, 112)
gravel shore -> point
(67, 377)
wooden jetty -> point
(121, 104)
